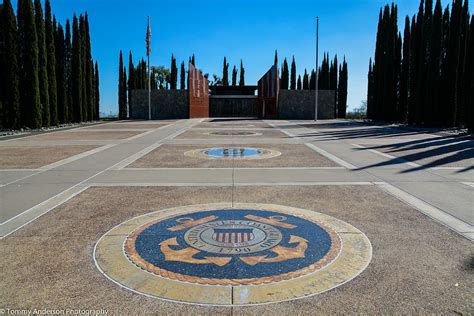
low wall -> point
(165, 104)
(299, 104)
(233, 106)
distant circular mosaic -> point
(235, 133)
(266, 253)
(233, 153)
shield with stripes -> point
(233, 235)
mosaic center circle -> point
(245, 244)
(234, 152)
(243, 153)
(232, 254)
(233, 237)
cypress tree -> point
(293, 75)
(242, 74)
(426, 80)
(412, 82)
(404, 75)
(469, 78)
(61, 79)
(68, 73)
(276, 58)
(333, 82)
(463, 35)
(285, 76)
(434, 68)
(298, 85)
(173, 74)
(43, 64)
(10, 81)
(30, 103)
(305, 81)
(51, 62)
(453, 63)
(342, 90)
(76, 72)
(121, 104)
(193, 61)
(370, 91)
(374, 111)
(234, 76)
(312, 79)
(124, 92)
(225, 73)
(97, 91)
(89, 70)
(2, 70)
(84, 63)
(182, 77)
(131, 83)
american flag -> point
(233, 236)
(148, 38)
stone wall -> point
(299, 104)
(165, 104)
(222, 106)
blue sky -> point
(246, 29)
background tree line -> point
(425, 76)
(331, 76)
(48, 76)
(161, 78)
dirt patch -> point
(172, 156)
(31, 157)
(418, 266)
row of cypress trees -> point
(47, 79)
(331, 76)
(426, 78)
(138, 79)
(225, 74)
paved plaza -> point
(334, 216)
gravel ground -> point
(418, 266)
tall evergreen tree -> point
(305, 80)
(121, 101)
(43, 64)
(333, 73)
(30, 103)
(97, 91)
(285, 76)
(299, 84)
(84, 63)
(2, 70)
(10, 80)
(276, 57)
(182, 77)
(193, 61)
(242, 74)
(469, 78)
(405, 73)
(68, 72)
(51, 62)
(76, 72)
(342, 90)
(312, 80)
(370, 91)
(124, 92)
(234, 76)
(293, 75)
(225, 73)
(89, 70)
(131, 83)
(62, 98)
(173, 74)
(460, 119)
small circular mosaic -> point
(233, 153)
(234, 133)
(222, 255)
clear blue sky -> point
(247, 29)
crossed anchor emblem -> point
(237, 236)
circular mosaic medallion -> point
(222, 255)
(234, 133)
(233, 153)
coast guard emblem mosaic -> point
(243, 247)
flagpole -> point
(149, 73)
(316, 72)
